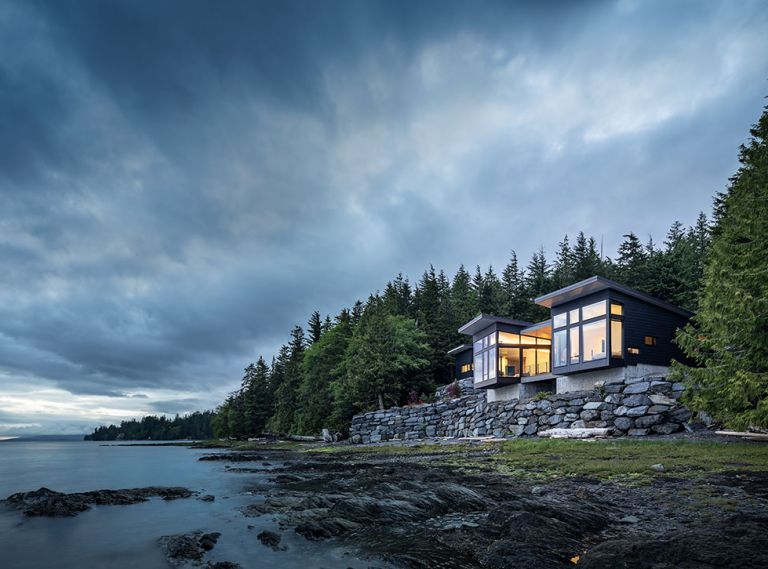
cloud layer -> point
(183, 181)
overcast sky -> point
(182, 182)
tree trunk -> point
(381, 402)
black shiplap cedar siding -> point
(463, 358)
(642, 319)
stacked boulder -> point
(634, 407)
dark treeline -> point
(197, 425)
(391, 349)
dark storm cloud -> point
(181, 182)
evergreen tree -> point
(320, 368)
(386, 357)
(514, 294)
(327, 324)
(488, 291)
(398, 296)
(586, 259)
(315, 327)
(257, 397)
(631, 261)
(727, 338)
(430, 300)
(357, 312)
(537, 282)
(563, 271)
(286, 391)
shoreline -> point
(474, 504)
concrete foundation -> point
(591, 379)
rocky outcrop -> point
(45, 502)
(633, 407)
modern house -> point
(598, 330)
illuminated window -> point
(559, 320)
(573, 316)
(594, 340)
(560, 348)
(509, 338)
(542, 361)
(544, 342)
(593, 310)
(617, 309)
(573, 334)
(617, 341)
(633, 351)
(466, 368)
(509, 362)
(529, 362)
(649, 340)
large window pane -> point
(542, 361)
(529, 362)
(509, 338)
(509, 362)
(477, 346)
(593, 310)
(573, 316)
(574, 337)
(560, 346)
(617, 342)
(485, 365)
(478, 368)
(492, 363)
(594, 340)
(492, 339)
(559, 320)
(527, 340)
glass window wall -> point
(560, 348)
(573, 334)
(594, 340)
(593, 310)
(559, 320)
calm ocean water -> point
(126, 536)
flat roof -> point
(596, 284)
(459, 349)
(482, 321)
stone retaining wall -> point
(635, 406)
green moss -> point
(626, 461)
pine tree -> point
(563, 270)
(462, 301)
(514, 295)
(320, 368)
(357, 312)
(537, 282)
(387, 356)
(257, 397)
(398, 296)
(315, 327)
(727, 338)
(631, 261)
(586, 258)
(286, 391)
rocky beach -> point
(690, 502)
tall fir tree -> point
(514, 294)
(257, 397)
(286, 391)
(727, 338)
(320, 368)
(537, 283)
(563, 269)
(314, 327)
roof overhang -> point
(483, 321)
(459, 349)
(539, 330)
(597, 284)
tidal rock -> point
(45, 502)
(271, 539)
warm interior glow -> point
(617, 340)
(593, 310)
(594, 340)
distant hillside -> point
(196, 425)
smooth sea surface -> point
(127, 536)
